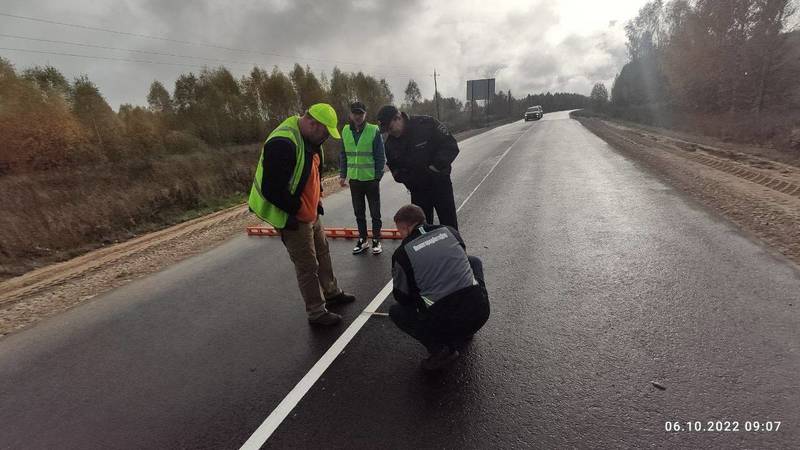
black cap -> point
(385, 115)
(358, 107)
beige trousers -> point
(308, 250)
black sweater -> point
(278, 166)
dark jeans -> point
(449, 324)
(438, 196)
(371, 190)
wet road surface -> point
(602, 280)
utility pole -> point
(471, 102)
(436, 95)
(487, 103)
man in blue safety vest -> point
(362, 160)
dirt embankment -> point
(759, 194)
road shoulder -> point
(761, 196)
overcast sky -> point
(528, 46)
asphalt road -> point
(602, 280)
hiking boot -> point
(361, 245)
(326, 318)
(440, 359)
(340, 299)
(376, 247)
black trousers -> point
(439, 197)
(451, 324)
(364, 192)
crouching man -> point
(440, 292)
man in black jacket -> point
(440, 293)
(419, 152)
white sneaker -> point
(361, 245)
(376, 247)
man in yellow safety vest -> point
(286, 193)
(362, 160)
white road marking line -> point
(296, 394)
(279, 414)
(492, 169)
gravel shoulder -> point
(50, 290)
(759, 194)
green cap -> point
(326, 115)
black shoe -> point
(326, 318)
(376, 247)
(361, 245)
(340, 299)
(440, 359)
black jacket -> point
(441, 257)
(425, 142)
(278, 166)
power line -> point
(142, 61)
(149, 52)
(79, 44)
(200, 44)
(108, 58)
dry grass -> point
(55, 215)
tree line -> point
(733, 58)
(48, 121)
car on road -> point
(534, 113)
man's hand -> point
(343, 182)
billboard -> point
(480, 89)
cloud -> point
(525, 45)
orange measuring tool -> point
(334, 233)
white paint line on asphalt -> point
(492, 169)
(295, 395)
(279, 414)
